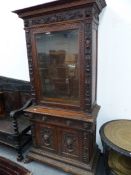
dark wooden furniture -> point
(116, 140)
(14, 126)
(1, 104)
(7, 167)
(61, 41)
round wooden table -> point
(116, 140)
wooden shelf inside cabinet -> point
(62, 44)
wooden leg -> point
(17, 139)
(19, 154)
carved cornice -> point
(101, 4)
(56, 17)
(76, 14)
(60, 5)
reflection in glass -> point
(57, 54)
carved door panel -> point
(46, 137)
(70, 143)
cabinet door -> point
(46, 137)
(70, 142)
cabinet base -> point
(74, 167)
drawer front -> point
(62, 122)
(46, 137)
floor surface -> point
(38, 168)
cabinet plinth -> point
(61, 39)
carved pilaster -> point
(85, 148)
(33, 133)
(88, 56)
(29, 53)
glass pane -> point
(57, 54)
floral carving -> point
(46, 137)
(59, 17)
(69, 143)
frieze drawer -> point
(76, 124)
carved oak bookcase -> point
(61, 41)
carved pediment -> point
(60, 5)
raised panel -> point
(70, 143)
(46, 137)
